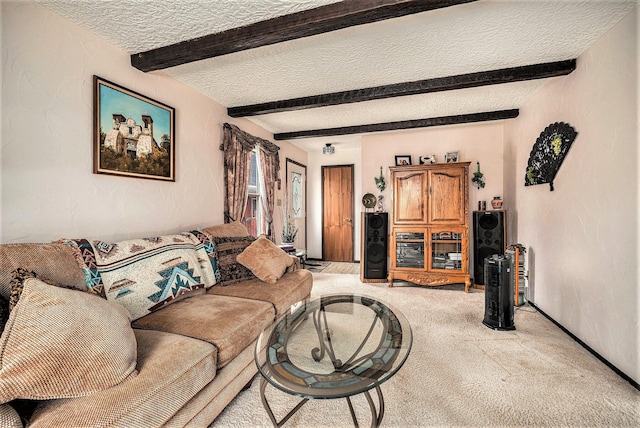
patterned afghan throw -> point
(206, 247)
(146, 274)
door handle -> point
(348, 220)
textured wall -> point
(583, 237)
(48, 188)
(314, 202)
(474, 142)
(482, 142)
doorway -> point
(337, 213)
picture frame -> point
(402, 160)
(451, 157)
(133, 135)
(428, 159)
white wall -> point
(48, 188)
(583, 237)
(314, 196)
(474, 143)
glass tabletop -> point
(335, 346)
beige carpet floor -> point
(463, 374)
(318, 266)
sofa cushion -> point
(172, 369)
(229, 323)
(63, 343)
(226, 229)
(265, 260)
(291, 288)
(54, 261)
(228, 249)
(147, 274)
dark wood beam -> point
(306, 23)
(404, 124)
(461, 81)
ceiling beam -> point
(306, 23)
(461, 81)
(404, 124)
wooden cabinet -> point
(430, 224)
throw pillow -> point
(265, 259)
(228, 249)
(144, 275)
(17, 280)
(61, 343)
(226, 230)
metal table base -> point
(376, 414)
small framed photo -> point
(402, 160)
(133, 135)
(451, 157)
(427, 159)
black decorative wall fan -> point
(548, 152)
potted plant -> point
(289, 229)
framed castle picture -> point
(133, 134)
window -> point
(253, 217)
(296, 195)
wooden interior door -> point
(337, 213)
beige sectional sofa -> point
(190, 357)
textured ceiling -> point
(479, 36)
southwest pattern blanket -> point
(146, 274)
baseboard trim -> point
(619, 372)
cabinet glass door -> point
(447, 250)
(409, 249)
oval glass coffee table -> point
(336, 346)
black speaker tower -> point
(488, 239)
(373, 266)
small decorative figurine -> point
(380, 207)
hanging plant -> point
(380, 184)
(478, 178)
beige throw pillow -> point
(265, 259)
(61, 343)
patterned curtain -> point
(237, 162)
(237, 146)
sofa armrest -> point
(296, 264)
(9, 417)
